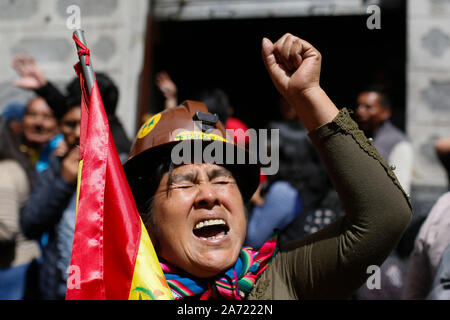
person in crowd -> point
(440, 287)
(195, 211)
(294, 191)
(442, 148)
(33, 78)
(280, 197)
(40, 136)
(51, 209)
(218, 103)
(215, 99)
(110, 96)
(13, 114)
(168, 88)
(373, 113)
(40, 124)
(430, 243)
(301, 167)
(18, 266)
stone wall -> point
(428, 85)
(114, 30)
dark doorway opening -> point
(226, 54)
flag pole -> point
(88, 71)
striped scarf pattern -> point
(233, 284)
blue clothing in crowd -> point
(281, 206)
(13, 282)
(47, 151)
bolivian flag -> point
(112, 255)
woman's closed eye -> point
(184, 185)
(222, 181)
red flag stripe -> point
(87, 250)
(121, 230)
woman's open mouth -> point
(211, 229)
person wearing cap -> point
(13, 114)
(195, 215)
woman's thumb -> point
(275, 72)
(267, 50)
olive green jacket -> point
(332, 263)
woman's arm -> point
(333, 262)
(33, 78)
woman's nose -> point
(206, 196)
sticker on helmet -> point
(148, 126)
(198, 135)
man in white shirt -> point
(372, 113)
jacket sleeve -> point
(48, 200)
(333, 263)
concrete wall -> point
(428, 85)
(114, 31)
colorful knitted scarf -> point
(233, 284)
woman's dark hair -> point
(9, 150)
(145, 206)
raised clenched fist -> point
(294, 67)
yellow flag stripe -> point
(148, 278)
(80, 168)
